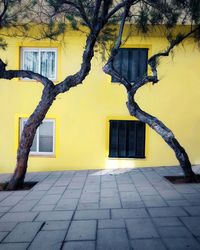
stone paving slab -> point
(7, 226)
(41, 208)
(24, 232)
(11, 200)
(182, 244)
(24, 206)
(50, 199)
(3, 235)
(5, 209)
(110, 210)
(113, 239)
(66, 204)
(51, 240)
(79, 245)
(110, 202)
(193, 224)
(82, 230)
(3, 195)
(178, 203)
(114, 223)
(174, 232)
(56, 225)
(34, 195)
(128, 213)
(167, 221)
(148, 244)
(18, 217)
(193, 210)
(92, 214)
(14, 246)
(54, 215)
(88, 206)
(167, 212)
(153, 201)
(141, 228)
(109, 193)
(56, 190)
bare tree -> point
(169, 14)
(95, 15)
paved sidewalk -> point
(103, 210)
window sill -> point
(126, 158)
(21, 80)
(42, 156)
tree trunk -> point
(165, 133)
(27, 138)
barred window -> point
(131, 63)
(127, 139)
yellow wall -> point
(82, 114)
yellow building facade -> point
(81, 116)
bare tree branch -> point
(5, 3)
(108, 68)
(179, 39)
(74, 80)
(115, 9)
(96, 11)
(10, 74)
(84, 15)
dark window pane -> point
(113, 150)
(124, 63)
(143, 54)
(117, 64)
(131, 139)
(131, 63)
(122, 139)
(127, 139)
(140, 138)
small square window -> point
(40, 60)
(131, 63)
(127, 139)
(44, 140)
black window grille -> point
(131, 63)
(127, 139)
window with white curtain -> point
(40, 60)
(44, 140)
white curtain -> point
(31, 59)
(46, 137)
(47, 64)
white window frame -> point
(39, 50)
(37, 152)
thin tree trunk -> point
(165, 133)
(27, 137)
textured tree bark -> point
(103, 11)
(165, 133)
(49, 94)
(27, 137)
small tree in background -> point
(169, 14)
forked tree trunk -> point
(27, 137)
(165, 133)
